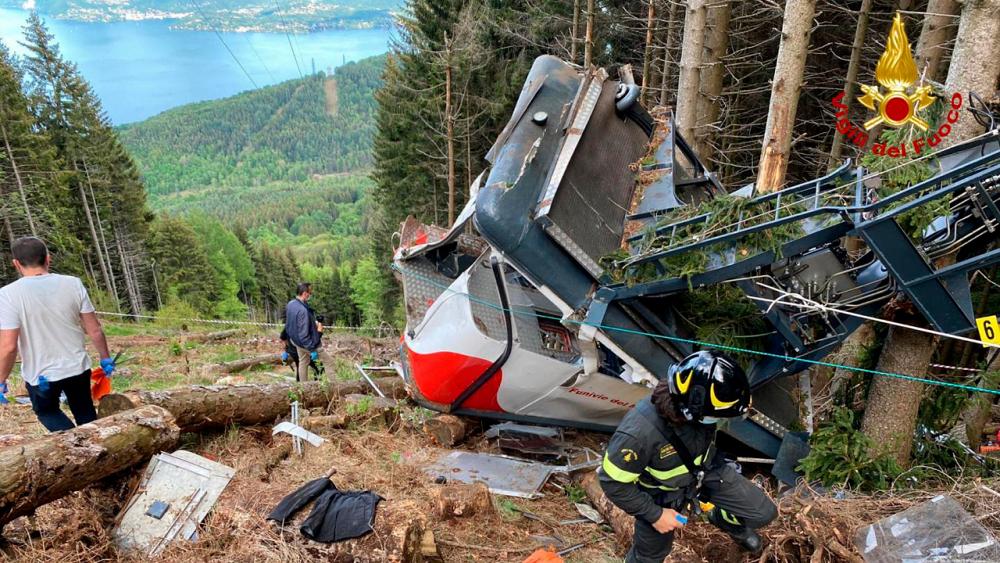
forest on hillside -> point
(66, 176)
(292, 131)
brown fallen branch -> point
(201, 407)
(621, 522)
(241, 365)
(49, 467)
(459, 500)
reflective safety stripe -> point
(671, 473)
(661, 487)
(617, 473)
(729, 517)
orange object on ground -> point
(544, 556)
(988, 449)
(100, 384)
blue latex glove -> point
(314, 355)
(284, 356)
(108, 365)
(3, 392)
(43, 384)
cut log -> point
(459, 500)
(241, 365)
(326, 422)
(445, 429)
(49, 467)
(622, 523)
(201, 407)
(213, 336)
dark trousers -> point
(745, 505)
(46, 403)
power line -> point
(224, 44)
(289, 37)
(259, 58)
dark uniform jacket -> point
(300, 324)
(641, 471)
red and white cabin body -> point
(456, 330)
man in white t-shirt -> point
(45, 316)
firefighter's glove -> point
(314, 355)
(108, 366)
(3, 393)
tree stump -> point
(462, 500)
(445, 430)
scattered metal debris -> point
(502, 474)
(589, 512)
(297, 431)
(366, 372)
(177, 491)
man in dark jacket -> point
(661, 459)
(302, 329)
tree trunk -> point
(588, 46)
(17, 180)
(852, 77)
(459, 500)
(100, 230)
(788, 74)
(848, 353)
(97, 242)
(647, 82)
(712, 75)
(575, 33)
(213, 336)
(689, 82)
(621, 522)
(891, 413)
(324, 422)
(49, 467)
(449, 131)
(938, 30)
(668, 46)
(445, 429)
(202, 407)
(241, 365)
(975, 62)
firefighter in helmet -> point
(661, 463)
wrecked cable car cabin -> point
(556, 296)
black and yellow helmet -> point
(709, 385)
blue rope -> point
(700, 343)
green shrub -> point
(842, 455)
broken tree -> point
(200, 407)
(47, 468)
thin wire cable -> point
(289, 37)
(224, 44)
(810, 304)
(514, 311)
(259, 58)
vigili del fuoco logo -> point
(899, 103)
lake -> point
(141, 68)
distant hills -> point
(299, 16)
(287, 164)
(293, 131)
